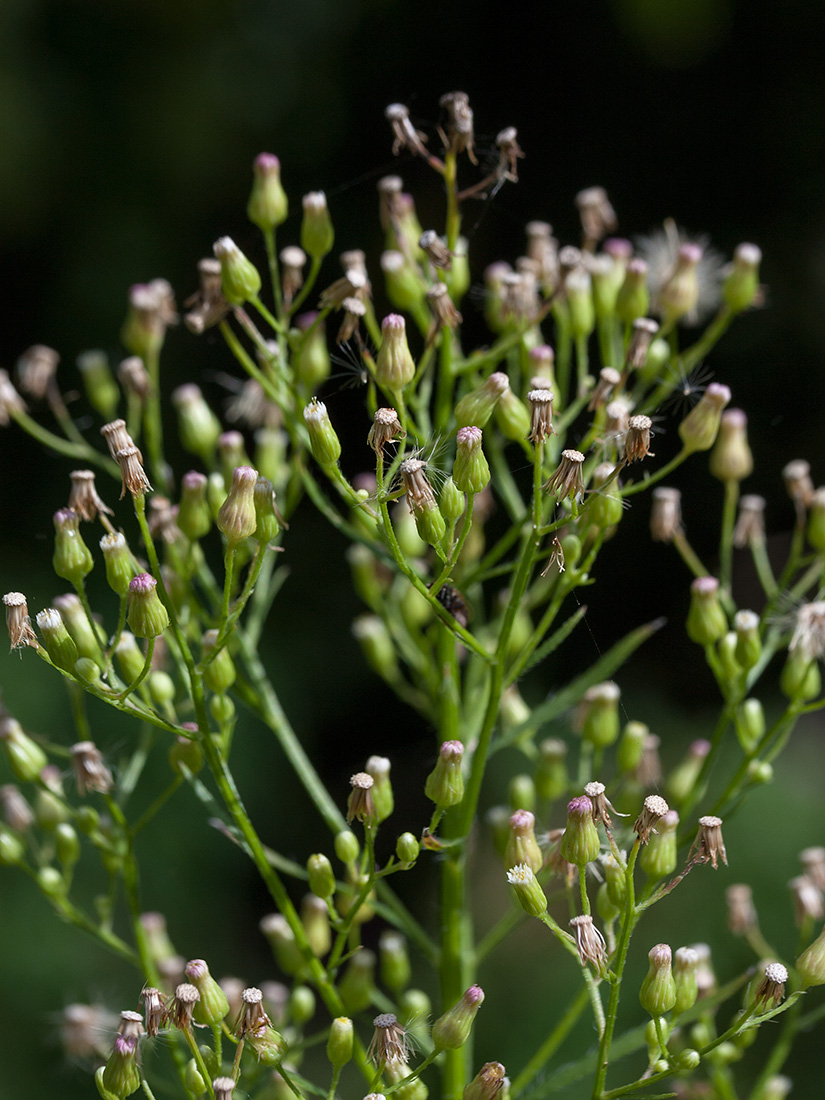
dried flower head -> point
(134, 476)
(405, 135)
(16, 810)
(386, 428)
(590, 942)
(798, 483)
(510, 153)
(389, 1043)
(602, 806)
(654, 808)
(666, 514)
(90, 773)
(354, 284)
(808, 637)
(354, 311)
(771, 990)
(134, 377)
(541, 414)
(741, 910)
(154, 1009)
(555, 860)
(637, 439)
(223, 1087)
(813, 860)
(750, 524)
(597, 216)
(293, 260)
(708, 845)
(567, 481)
(252, 1017)
(36, 369)
(11, 403)
(360, 803)
(18, 622)
(182, 1006)
(644, 332)
(116, 437)
(609, 379)
(808, 900)
(460, 136)
(83, 498)
(207, 305)
(131, 1024)
(442, 308)
(416, 486)
(436, 250)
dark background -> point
(127, 132)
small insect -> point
(453, 602)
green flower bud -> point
(271, 445)
(512, 416)
(551, 772)
(407, 848)
(682, 779)
(658, 355)
(219, 674)
(521, 790)
(161, 687)
(198, 427)
(88, 820)
(476, 407)
(811, 963)
(346, 846)
(340, 1042)
(706, 621)
(700, 427)
(194, 514)
(599, 714)
(405, 288)
(630, 749)
(415, 1009)
(59, 644)
(614, 879)
(471, 473)
(128, 656)
(605, 907)
(445, 783)
(67, 844)
(522, 846)
(748, 642)
(281, 939)
(394, 364)
(488, 1084)
(658, 857)
(51, 882)
(102, 392)
(451, 501)
(605, 508)
(607, 275)
(459, 278)
(749, 721)
(150, 310)
(633, 298)
(760, 772)
(429, 522)
(816, 521)
(268, 205)
(315, 919)
(579, 294)
(88, 642)
(317, 234)
(236, 518)
(799, 680)
(147, 616)
(323, 442)
(726, 651)
(741, 287)
(687, 1060)
(311, 361)
(192, 1078)
(240, 281)
(687, 987)
(213, 1005)
(379, 768)
(49, 807)
(186, 753)
(452, 1030)
(731, 458)
(377, 646)
(580, 843)
(72, 558)
(12, 848)
(395, 961)
(321, 877)
(120, 567)
(120, 1077)
(679, 295)
(658, 991)
(267, 524)
(357, 981)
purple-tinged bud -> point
(72, 558)
(236, 518)
(445, 783)
(658, 991)
(740, 290)
(522, 846)
(317, 234)
(120, 1077)
(580, 843)
(240, 280)
(706, 621)
(731, 458)
(476, 407)
(452, 1030)
(394, 364)
(700, 427)
(147, 616)
(268, 205)
(528, 890)
(323, 441)
(470, 472)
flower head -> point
(590, 942)
(709, 846)
(18, 622)
(389, 1042)
(653, 810)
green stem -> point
(144, 672)
(84, 453)
(646, 482)
(726, 541)
(688, 554)
(300, 298)
(153, 424)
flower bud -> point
(281, 939)
(311, 363)
(700, 427)
(580, 843)
(99, 385)
(658, 991)
(407, 848)
(321, 877)
(658, 857)
(579, 293)
(120, 568)
(317, 234)
(323, 442)
(213, 1005)
(340, 1042)
(12, 848)
(811, 963)
(379, 768)
(194, 514)
(356, 984)
(59, 644)
(86, 639)
(315, 919)
(240, 280)
(120, 1077)
(268, 205)
(471, 473)
(682, 779)
(476, 407)
(377, 646)
(630, 749)
(405, 288)
(147, 616)
(198, 427)
(599, 714)
(487, 1084)
(731, 458)
(816, 521)
(394, 364)
(799, 680)
(528, 890)
(513, 417)
(452, 1030)
(445, 783)
(606, 508)
(706, 621)
(680, 294)
(614, 880)
(346, 846)
(394, 961)
(219, 674)
(72, 558)
(633, 298)
(522, 846)
(551, 770)
(185, 753)
(741, 287)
